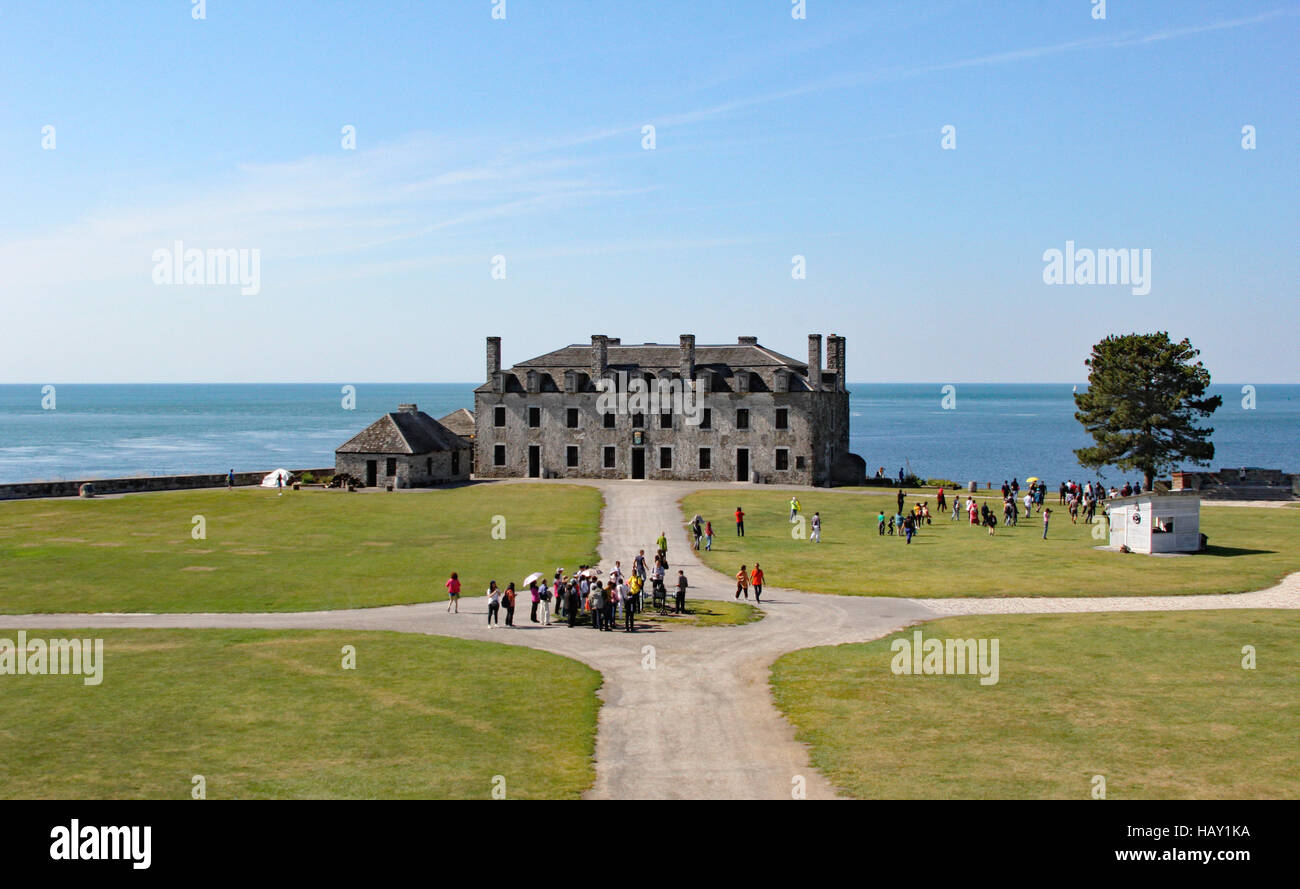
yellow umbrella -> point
(1032, 478)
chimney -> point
(746, 341)
(599, 356)
(815, 361)
(407, 408)
(687, 356)
(835, 359)
(614, 340)
(493, 356)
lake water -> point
(993, 431)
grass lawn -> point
(269, 714)
(304, 551)
(1156, 703)
(1250, 548)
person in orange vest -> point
(740, 522)
(742, 582)
(756, 581)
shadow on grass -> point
(1229, 551)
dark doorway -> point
(455, 464)
(742, 464)
(534, 461)
(372, 473)
(638, 463)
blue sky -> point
(522, 138)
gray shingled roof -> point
(652, 356)
(402, 432)
(460, 422)
(722, 360)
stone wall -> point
(1246, 483)
(420, 471)
(142, 484)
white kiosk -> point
(1156, 523)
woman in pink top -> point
(453, 593)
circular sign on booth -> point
(1137, 518)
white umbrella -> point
(535, 576)
(591, 572)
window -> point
(390, 466)
(742, 419)
(499, 455)
(707, 421)
(1163, 525)
(783, 418)
(665, 458)
(666, 421)
(499, 416)
(534, 417)
(571, 418)
(571, 456)
(428, 464)
(798, 462)
(638, 421)
(609, 455)
(706, 458)
(455, 463)
(782, 458)
(610, 420)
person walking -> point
(1047, 517)
(536, 595)
(816, 536)
(902, 496)
(794, 508)
(279, 485)
(509, 600)
(681, 591)
(494, 603)
(742, 582)
(453, 593)
(909, 527)
(880, 523)
(941, 504)
(740, 522)
(230, 479)
(596, 605)
(697, 530)
(708, 536)
(662, 542)
(756, 581)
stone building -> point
(460, 422)
(407, 449)
(748, 414)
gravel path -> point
(687, 712)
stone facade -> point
(407, 449)
(763, 415)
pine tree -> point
(1144, 398)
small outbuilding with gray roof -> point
(405, 449)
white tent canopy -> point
(270, 480)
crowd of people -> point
(583, 596)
